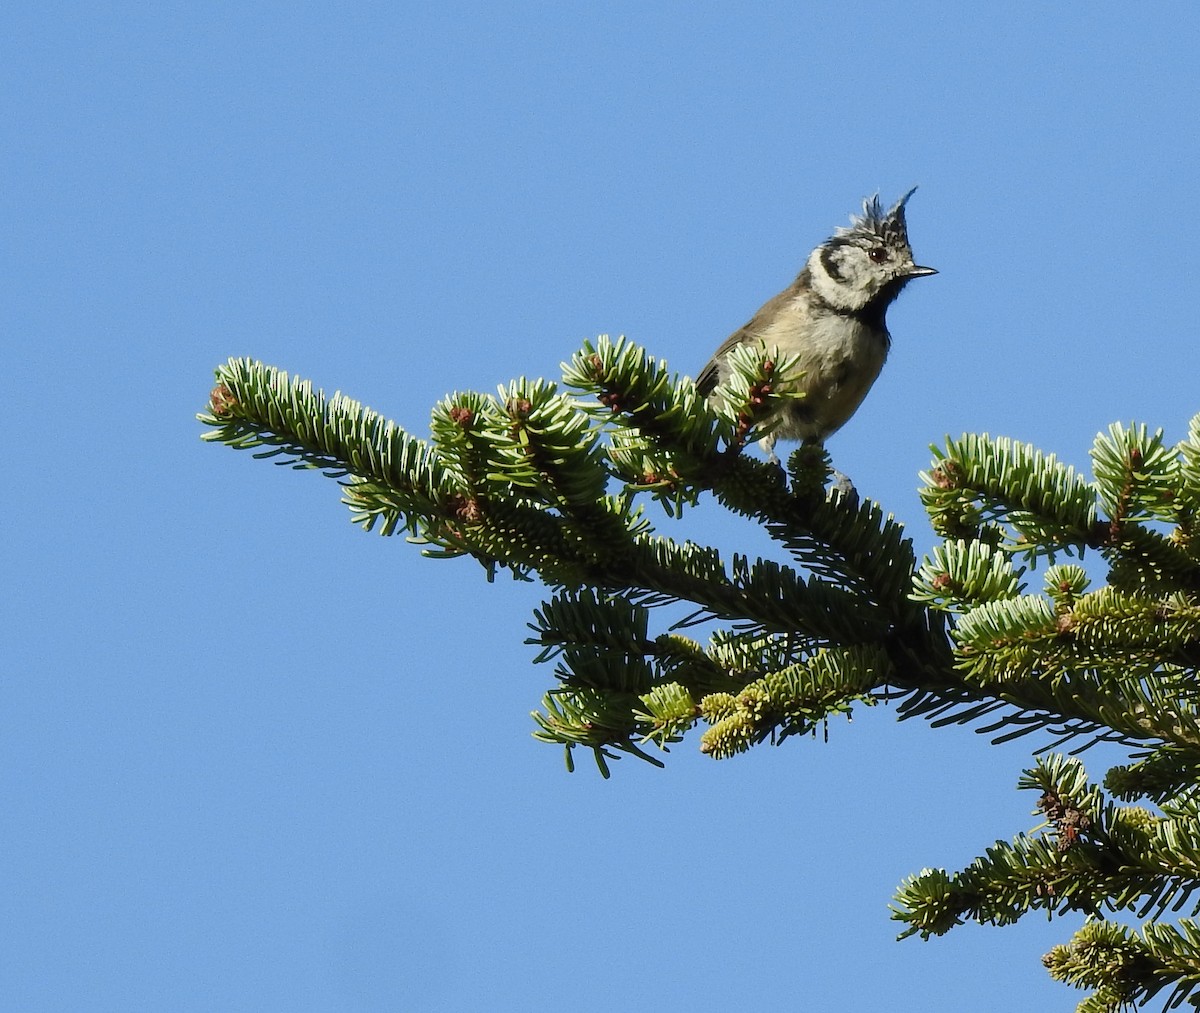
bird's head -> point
(868, 262)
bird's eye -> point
(877, 254)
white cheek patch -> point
(836, 293)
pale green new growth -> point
(565, 485)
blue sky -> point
(254, 759)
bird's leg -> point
(768, 444)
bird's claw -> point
(844, 489)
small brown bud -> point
(466, 509)
(221, 400)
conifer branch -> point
(553, 485)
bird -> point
(833, 318)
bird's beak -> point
(920, 272)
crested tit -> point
(832, 317)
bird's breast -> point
(841, 359)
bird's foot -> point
(844, 489)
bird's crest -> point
(874, 221)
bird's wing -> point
(752, 330)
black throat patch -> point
(873, 315)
